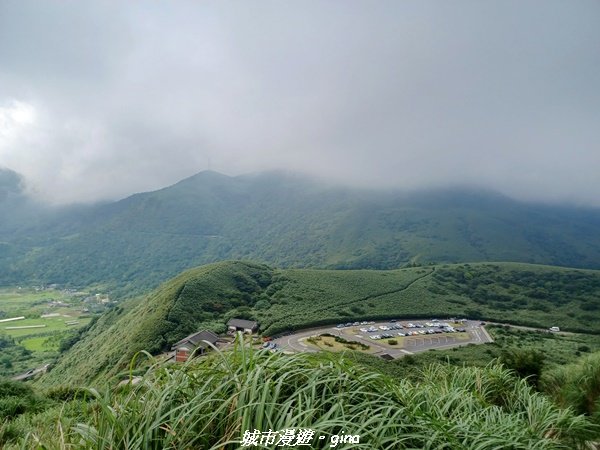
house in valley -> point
(246, 326)
(197, 343)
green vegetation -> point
(576, 385)
(14, 358)
(50, 316)
(280, 300)
(522, 391)
(17, 398)
(328, 340)
(297, 296)
(209, 403)
(134, 244)
(551, 351)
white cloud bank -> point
(101, 99)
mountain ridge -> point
(133, 244)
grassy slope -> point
(210, 402)
(176, 309)
(508, 292)
(290, 299)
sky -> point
(99, 100)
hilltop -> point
(286, 220)
(287, 299)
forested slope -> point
(287, 299)
(286, 220)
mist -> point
(102, 99)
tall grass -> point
(576, 385)
(210, 402)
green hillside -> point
(287, 221)
(286, 299)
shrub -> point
(17, 398)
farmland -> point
(34, 321)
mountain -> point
(289, 221)
(287, 299)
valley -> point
(35, 321)
(95, 297)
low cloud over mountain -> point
(102, 99)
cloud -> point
(128, 97)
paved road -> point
(296, 342)
(522, 327)
(31, 373)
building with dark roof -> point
(246, 326)
(196, 343)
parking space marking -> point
(417, 342)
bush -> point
(17, 398)
(576, 385)
(66, 393)
(527, 363)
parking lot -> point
(395, 337)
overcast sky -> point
(102, 99)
